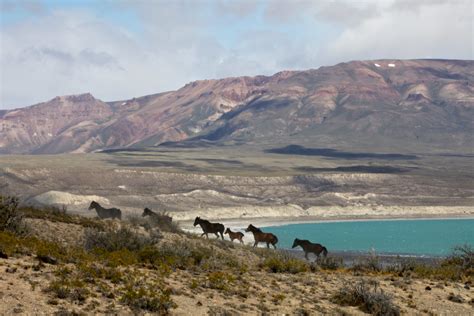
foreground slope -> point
(383, 103)
(71, 265)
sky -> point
(120, 49)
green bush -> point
(11, 219)
(283, 262)
(330, 263)
(138, 294)
(115, 240)
(55, 214)
(370, 263)
(69, 288)
(457, 267)
(373, 301)
(220, 280)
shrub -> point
(55, 214)
(283, 262)
(330, 263)
(370, 263)
(458, 266)
(375, 301)
(115, 240)
(10, 217)
(151, 297)
(220, 280)
(65, 287)
(181, 254)
(463, 256)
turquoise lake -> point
(418, 237)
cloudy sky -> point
(121, 49)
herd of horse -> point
(259, 237)
(219, 230)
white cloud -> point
(429, 29)
(77, 50)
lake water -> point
(418, 237)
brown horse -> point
(208, 227)
(234, 235)
(310, 247)
(260, 236)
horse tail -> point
(325, 252)
(275, 240)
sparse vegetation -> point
(10, 217)
(114, 240)
(220, 280)
(282, 262)
(369, 263)
(370, 300)
(145, 295)
(136, 269)
(330, 263)
(54, 214)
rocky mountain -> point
(361, 103)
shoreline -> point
(242, 223)
(349, 257)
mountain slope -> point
(360, 103)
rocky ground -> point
(201, 277)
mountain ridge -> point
(386, 100)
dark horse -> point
(234, 235)
(208, 227)
(260, 236)
(105, 212)
(310, 247)
(162, 217)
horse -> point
(260, 236)
(208, 227)
(234, 235)
(105, 212)
(308, 247)
(156, 216)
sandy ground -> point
(254, 292)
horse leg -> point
(203, 234)
(241, 241)
(255, 244)
(222, 236)
(268, 245)
(274, 246)
(217, 235)
(306, 255)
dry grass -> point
(369, 299)
(130, 267)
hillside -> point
(365, 104)
(55, 263)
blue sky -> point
(122, 48)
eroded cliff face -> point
(385, 101)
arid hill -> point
(391, 103)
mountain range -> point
(369, 104)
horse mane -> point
(204, 220)
(256, 228)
